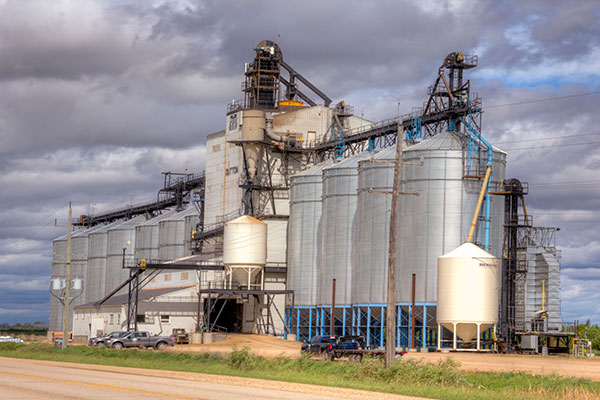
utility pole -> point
(65, 340)
(390, 314)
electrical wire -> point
(549, 138)
(553, 146)
(542, 100)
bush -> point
(444, 372)
(11, 346)
(243, 359)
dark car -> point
(101, 341)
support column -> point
(382, 325)
(478, 337)
(454, 336)
(424, 334)
(397, 327)
(439, 341)
(368, 325)
(495, 340)
(309, 324)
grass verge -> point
(442, 380)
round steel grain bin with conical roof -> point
(80, 254)
(467, 291)
(171, 235)
(95, 280)
(437, 219)
(304, 234)
(372, 227)
(59, 250)
(119, 237)
(340, 182)
(146, 237)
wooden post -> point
(390, 314)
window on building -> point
(165, 319)
(119, 318)
(111, 319)
(185, 276)
(141, 318)
(216, 147)
(167, 277)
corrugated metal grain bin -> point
(340, 182)
(438, 219)
(304, 234)
(119, 237)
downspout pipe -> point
(487, 195)
(277, 138)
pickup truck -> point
(352, 347)
(330, 347)
(100, 341)
(141, 340)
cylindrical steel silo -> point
(80, 254)
(467, 292)
(304, 234)
(372, 227)
(146, 238)
(119, 237)
(340, 182)
(439, 218)
(96, 265)
(171, 235)
(59, 250)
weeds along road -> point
(47, 380)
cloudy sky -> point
(98, 97)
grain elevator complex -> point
(287, 231)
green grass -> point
(442, 380)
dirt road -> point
(49, 380)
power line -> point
(542, 100)
(553, 146)
(550, 138)
(561, 183)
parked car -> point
(141, 340)
(13, 339)
(101, 341)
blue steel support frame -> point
(367, 320)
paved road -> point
(43, 380)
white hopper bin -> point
(245, 251)
(467, 293)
